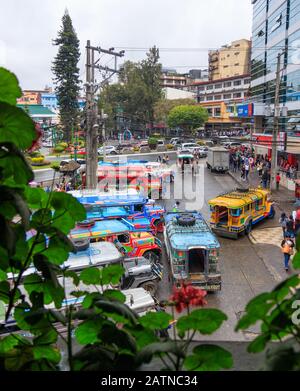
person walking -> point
(247, 169)
(176, 207)
(259, 168)
(264, 178)
(290, 227)
(283, 221)
(243, 172)
(278, 179)
(287, 248)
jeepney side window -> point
(212, 208)
(247, 208)
(124, 238)
(138, 208)
(235, 212)
(259, 204)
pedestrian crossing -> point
(267, 236)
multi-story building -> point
(230, 60)
(170, 78)
(30, 97)
(49, 100)
(276, 30)
(221, 98)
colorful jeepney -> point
(122, 233)
(192, 249)
(134, 208)
(236, 212)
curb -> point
(236, 180)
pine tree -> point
(67, 75)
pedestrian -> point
(296, 218)
(290, 227)
(247, 169)
(159, 159)
(283, 221)
(243, 172)
(259, 168)
(176, 206)
(287, 248)
(164, 159)
(167, 159)
(278, 179)
(264, 178)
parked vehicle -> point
(218, 159)
(133, 238)
(236, 212)
(109, 150)
(174, 140)
(131, 207)
(160, 143)
(192, 250)
(203, 151)
(192, 147)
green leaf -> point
(73, 275)
(143, 337)
(204, 320)
(90, 299)
(157, 348)
(208, 358)
(9, 87)
(90, 276)
(118, 308)
(113, 294)
(33, 283)
(36, 197)
(3, 275)
(10, 342)
(57, 251)
(12, 119)
(296, 261)
(259, 343)
(4, 291)
(14, 166)
(111, 274)
(87, 332)
(156, 320)
(46, 352)
(47, 337)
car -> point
(109, 150)
(232, 144)
(202, 151)
(174, 140)
(191, 147)
(160, 142)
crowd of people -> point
(290, 170)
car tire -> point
(248, 228)
(113, 153)
(86, 224)
(149, 286)
(186, 220)
(81, 244)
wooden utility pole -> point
(276, 124)
(92, 120)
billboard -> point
(245, 111)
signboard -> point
(245, 110)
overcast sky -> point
(28, 27)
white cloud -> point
(27, 29)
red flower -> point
(187, 295)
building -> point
(221, 98)
(33, 97)
(40, 114)
(230, 60)
(276, 29)
(170, 78)
(175, 93)
(49, 100)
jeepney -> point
(135, 243)
(239, 210)
(192, 249)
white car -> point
(109, 150)
(192, 147)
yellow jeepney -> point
(237, 211)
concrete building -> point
(175, 93)
(230, 60)
(221, 98)
(170, 78)
(276, 29)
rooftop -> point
(38, 110)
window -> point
(235, 212)
(209, 110)
(218, 97)
(209, 97)
(236, 53)
(237, 95)
(236, 64)
(228, 55)
(237, 45)
(123, 238)
(247, 81)
(237, 83)
(227, 96)
(247, 208)
(219, 85)
(227, 84)
(209, 87)
(218, 112)
(201, 88)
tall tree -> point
(187, 117)
(66, 74)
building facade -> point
(276, 30)
(221, 98)
(230, 60)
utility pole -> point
(92, 118)
(276, 123)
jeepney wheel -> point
(186, 220)
(149, 286)
(159, 225)
(81, 244)
(152, 256)
(86, 224)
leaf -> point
(33, 283)
(111, 274)
(10, 342)
(208, 358)
(259, 343)
(9, 87)
(143, 337)
(14, 166)
(113, 294)
(47, 337)
(87, 332)
(116, 307)
(12, 119)
(156, 320)
(111, 335)
(46, 352)
(296, 261)
(90, 276)
(73, 275)
(3, 275)
(57, 251)
(36, 197)
(206, 321)
(157, 348)
(4, 291)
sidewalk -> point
(267, 236)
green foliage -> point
(58, 149)
(55, 166)
(187, 117)
(66, 72)
(208, 358)
(163, 107)
(170, 146)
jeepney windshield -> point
(235, 212)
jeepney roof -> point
(184, 237)
(113, 200)
(238, 198)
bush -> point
(58, 149)
(200, 142)
(136, 149)
(39, 159)
(170, 146)
(63, 145)
(152, 142)
(35, 154)
(55, 166)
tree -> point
(163, 107)
(67, 75)
(188, 117)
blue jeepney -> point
(192, 250)
(132, 207)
